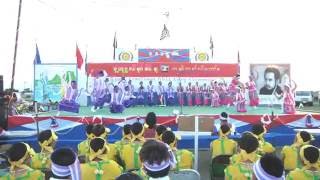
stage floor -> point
(166, 111)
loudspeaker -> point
(3, 107)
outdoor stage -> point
(70, 127)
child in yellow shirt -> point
(184, 157)
(223, 145)
(19, 156)
(311, 169)
(159, 130)
(290, 154)
(47, 140)
(242, 163)
(268, 167)
(259, 131)
(83, 147)
(99, 166)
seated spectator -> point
(259, 131)
(159, 130)
(47, 140)
(184, 157)
(126, 137)
(129, 176)
(157, 160)
(268, 167)
(99, 130)
(311, 167)
(130, 152)
(99, 165)
(19, 156)
(150, 125)
(290, 154)
(242, 163)
(83, 147)
(65, 165)
(223, 145)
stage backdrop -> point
(270, 79)
(51, 79)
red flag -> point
(79, 57)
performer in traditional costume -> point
(189, 94)
(222, 91)
(140, 95)
(253, 95)
(122, 84)
(232, 90)
(205, 90)
(128, 97)
(289, 105)
(180, 93)
(241, 99)
(68, 102)
(197, 94)
(170, 94)
(116, 105)
(215, 100)
(99, 95)
(150, 95)
(161, 94)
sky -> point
(272, 31)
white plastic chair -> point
(185, 174)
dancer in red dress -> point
(253, 95)
(189, 94)
(241, 99)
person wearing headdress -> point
(197, 92)
(150, 125)
(180, 94)
(223, 145)
(140, 95)
(224, 117)
(290, 154)
(311, 167)
(99, 93)
(253, 95)
(47, 140)
(222, 91)
(130, 152)
(100, 167)
(289, 105)
(259, 130)
(161, 94)
(215, 100)
(128, 97)
(241, 99)
(116, 105)
(170, 94)
(189, 93)
(150, 93)
(99, 130)
(269, 167)
(184, 157)
(205, 94)
(65, 165)
(157, 160)
(241, 164)
(160, 130)
(19, 156)
(83, 147)
(232, 90)
(68, 102)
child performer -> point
(253, 95)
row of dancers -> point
(124, 95)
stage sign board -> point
(50, 81)
(270, 80)
(160, 69)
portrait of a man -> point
(271, 82)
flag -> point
(37, 59)
(165, 33)
(79, 57)
(238, 70)
(211, 46)
(115, 45)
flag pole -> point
(16, 47)
(86, 70)
(115, 45)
